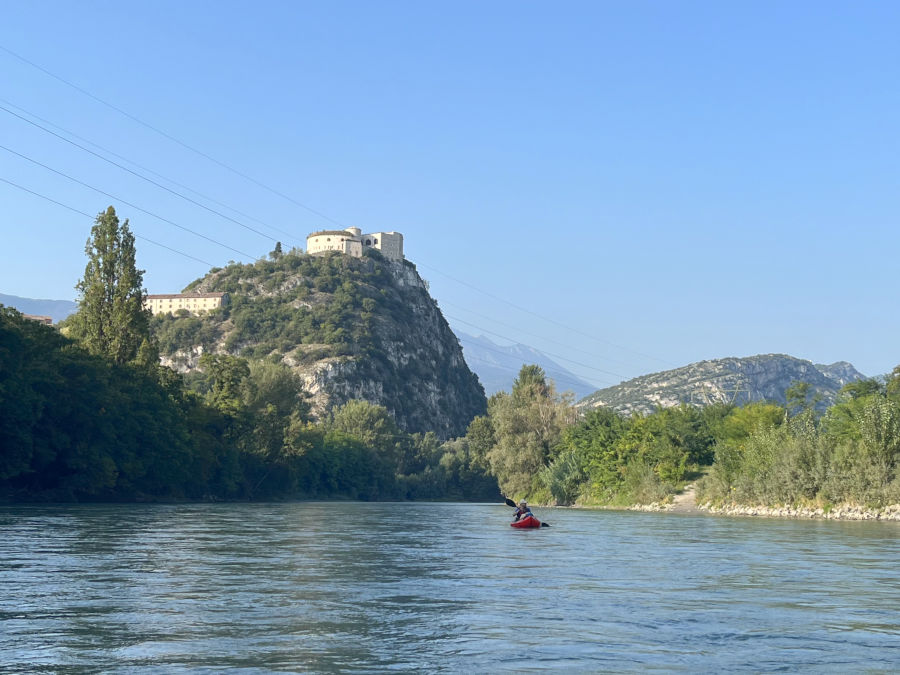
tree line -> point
(763, 453)
(87, 413)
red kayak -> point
(527, 521)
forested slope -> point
(350, 328)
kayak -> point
(527, 521)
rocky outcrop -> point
(732, 380)
(351, 328)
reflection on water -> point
(331, 587)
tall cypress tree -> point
(111, 320)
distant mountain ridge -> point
(498, 365)
(764, 377)
(55, 309)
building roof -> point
(172, 296)
(336, 233)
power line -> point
(580, 383)
(127, 203)
(540, 337)
(135, 173)
(556, 356)
(170, 137)
(276, 192)
(533, 313)
(88, 215)
(148, 170)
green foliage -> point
(173, 332)
(75, 425)
(851, 455)
(526, 427)
(111, 320)
(302, 309)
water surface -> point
(353, 587)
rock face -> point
(351, 328)
(733, 380)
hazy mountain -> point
(733, 380)
(56, 309)
(497, 366)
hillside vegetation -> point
(739, 381)
(763, 453)
(350, 328)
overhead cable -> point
(127, 203)
(148, 170)
(88, 215)
(555, 356)
(545, 318)
(135, 173)
(170, 137)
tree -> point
(892, 384)
(800, 398)
(111, 320)
(527, 426)
(372, 424)
(225, 374)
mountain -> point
(55, 309)
(352, 328)
(497, 366)
(732, 380)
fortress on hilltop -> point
(352, 242)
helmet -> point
(522, 502)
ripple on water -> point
(439, 588)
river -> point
(415, 587)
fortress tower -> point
(352, 242)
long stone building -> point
(192, 302)
(352, 242)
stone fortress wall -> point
(352, 242)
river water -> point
(354, 587)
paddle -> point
(510, 502)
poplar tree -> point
(111, 320)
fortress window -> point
(329, 239)
(376, 241)
(368, 242)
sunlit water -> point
(350, 587)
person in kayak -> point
(523, 511)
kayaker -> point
(523, 511)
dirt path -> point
(685, 502)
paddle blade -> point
(510, 502)
(543, 524)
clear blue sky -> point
(656, 183)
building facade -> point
(352, 242)
(192, 302)
(40, 318)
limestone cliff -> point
(352, 328)
(732, 380)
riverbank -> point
(839, 512)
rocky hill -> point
(733, 380)
(497, 366)
(352, 328)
